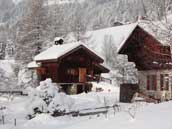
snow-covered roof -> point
(57, 51)
(119, 34)
(33, 64)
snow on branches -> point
(46, 98)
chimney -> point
(58, 41)
(117, 23)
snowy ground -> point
(147, 116)
(17, 108)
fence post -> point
(42, 108)
(15, 122)
(105, 104)
(3, 119)
(114, 109)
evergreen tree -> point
(31, 31)
(78, 25)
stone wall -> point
(72, 89)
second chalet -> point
(153, 62)
(151, 58)
(72, 66)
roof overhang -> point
(33, 65)
(123, 44)
(101, 68)
(139, 50)
(81, 46)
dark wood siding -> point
(74, 67)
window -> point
(164, 81)
(73, 72)
(151, 82)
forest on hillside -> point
(27, 26)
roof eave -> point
(100, 60)
(120, 50)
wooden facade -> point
(153, 61)
(75, 68)
(146, 52)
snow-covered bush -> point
(61, 103)
(47, 91)
(46, 98)
(26, 78)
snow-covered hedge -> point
(46, 98)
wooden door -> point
(82, 74)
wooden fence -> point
(90, 111)
(106, 80)
(16, 92)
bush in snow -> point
(46, 98)
(61, 103)
(26, 78)
(47, 91)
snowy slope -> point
(149, 116)
(21, 104)
(146, 118)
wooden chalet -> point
(153, 61)
(72, 66)
(145, 51)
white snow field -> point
(18, 107)
(145, 116)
